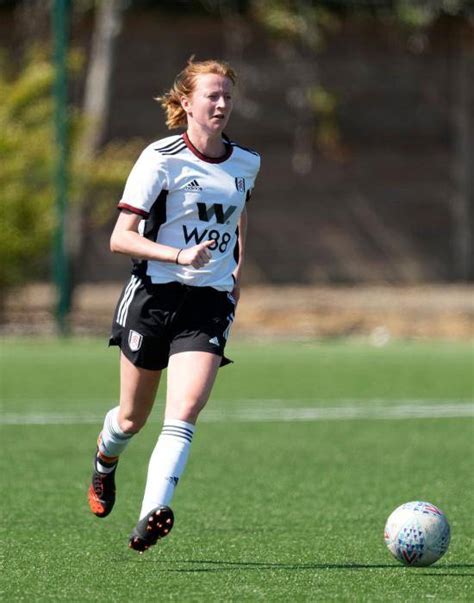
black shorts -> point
(152, 322)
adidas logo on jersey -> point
(193, 186)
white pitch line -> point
(260, 414)
(342, 413)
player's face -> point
(210, 103)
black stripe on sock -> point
(107, 464)
(177, 432)
(185, 430)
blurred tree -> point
(27, 216)
(26, 219)
(96, 107)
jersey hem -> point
(154, 280)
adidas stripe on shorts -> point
(152, 322)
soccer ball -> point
(417, 533)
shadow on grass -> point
(202, 565)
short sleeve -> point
(145, 182)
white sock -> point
(112, 442)
(167, 464)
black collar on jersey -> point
(192, 148)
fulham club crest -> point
(134, 340)
(240, 184)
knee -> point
(131, 424)
(185, 411)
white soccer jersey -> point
(186, 198)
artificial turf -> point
(268, 509)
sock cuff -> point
(178, 429)
(111, 420)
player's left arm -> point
(242, 238)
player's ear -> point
(185, 103)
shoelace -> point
(100, 483)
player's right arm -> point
(127, 240)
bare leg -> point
(138, 389)
(191, 376)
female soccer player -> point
(183, 221)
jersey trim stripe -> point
(134, 210)
(174, 151)
(199, 155)
(172, 144)
(239, 146)
(128, 296)
(172, 148)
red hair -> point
(184, 85)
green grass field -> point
(300, 456)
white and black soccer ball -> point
(417, 533)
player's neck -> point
(209, 145)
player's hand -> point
(197, 256)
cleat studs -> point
(152, 528)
